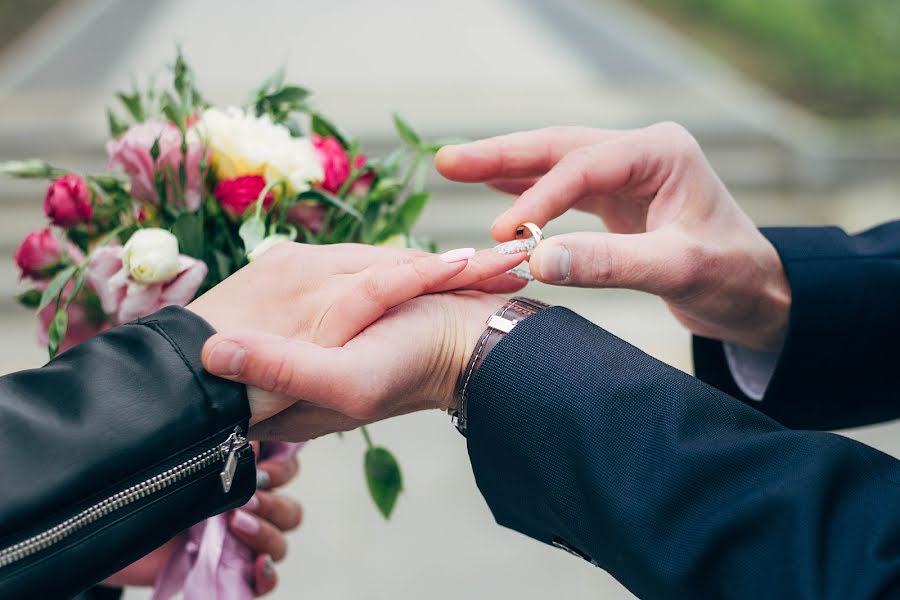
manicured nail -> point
(245, 522)
(268, 566)
(516, 246)
(226, 359)
(458, 255)
(262, 479)
(252, 503)
(521, 272)
(556, 262)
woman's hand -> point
(261, 524)
(328, 294)
(675, 231)
(409, 360)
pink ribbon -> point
(209, 561)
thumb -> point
(649, 262)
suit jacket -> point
(680, 490)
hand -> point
(260, 524)
(410, 359)
(327, 294)
(675, 231)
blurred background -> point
(797, 103)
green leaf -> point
(274, 81)
(188, 228)
(30, 298)
(437, 144)
(289, 94)
(116, 125)
(171, 109)
(133, 104)
(57, 332)
(384, 479)
(223, 263)
(406, 132)
(411, 210)
(327, 198)
(326, 128)
(29, 169)
(56, 286)
(77, 286)
(252, 232)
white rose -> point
(266, 245)
(151, 256)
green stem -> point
(365, 432)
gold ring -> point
(536, 232)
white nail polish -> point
(460, 254)
(516, 246)
(521, 272)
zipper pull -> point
(228, 451)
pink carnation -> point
(124, 299)
(132, 152)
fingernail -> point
(252, 503)
(226, 358)
(245, 522)
(556, 261)
(268, 566)
(262, 479)
(521, 272)
(458, 255)
(516, 246)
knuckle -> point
(597, 264)
(279, 376)
(676, 136)
(691, 275)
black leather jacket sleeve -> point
(838, 366)
(581, 440)
(110, 450)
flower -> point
(244, 144)
(68, 201)
(133, 153)
(151, 256)
(38, 254)
(363, 183)
(238, 194)
(266, 245)
(307, 214)
(125, 299)
(84, 321)
(335, 162)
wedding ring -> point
(536, 232)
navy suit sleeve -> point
(675, 488)
(838, 367)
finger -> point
(302, 422)
(507, 283)
(279, 472)
(282, 512)
(384, 286)
(512, 186)
(652, 262)
(516, 155)
(264, 575)
(259, 535)
(486, 264)
(290, 368)
(602, 169)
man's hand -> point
(674, 229)
(409, 360)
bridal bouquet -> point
(194, 191)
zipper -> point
(225, 452)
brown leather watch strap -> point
(498, 325)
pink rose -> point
(334, 160)
(131, 152)
(39, 253)
(308, 215)
(124, 299)
(238, 194)
(68, 201)
(84, 323)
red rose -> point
(238, 194)
(68, 201)
(334, 160)
(38, 254)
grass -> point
(841, 58)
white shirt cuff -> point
(752, 369)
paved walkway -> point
(453, 67)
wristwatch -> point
(498, 325)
